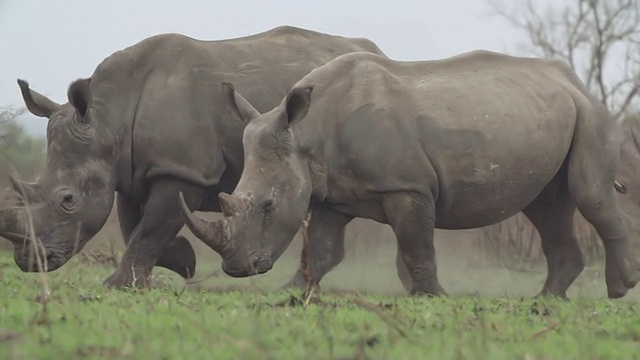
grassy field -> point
(221, 318)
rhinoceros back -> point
(177, 123)
(462, 128)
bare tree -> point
(599, 39)
(18, 149)
(8, 114)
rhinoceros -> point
(146, 125)
(454, 143)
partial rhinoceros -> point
(456, 143)
(150, 123)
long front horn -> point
(12, 225)
(210, 232)
(25, 189)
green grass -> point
(82, 319)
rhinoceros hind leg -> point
(552, 215)
(177, 255)
(160, 224)
(129, 216)
(325, 248)
(412, 218)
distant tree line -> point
(19, 150)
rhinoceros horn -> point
(12, 226)
(210, 232)
(25, 189)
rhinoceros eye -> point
(66, 201)
(267, 207)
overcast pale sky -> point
(51, 43)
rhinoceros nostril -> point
(254, 261)
(49, 256)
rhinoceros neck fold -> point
(117, 114)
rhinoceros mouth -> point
(257, 266)
(242, 273)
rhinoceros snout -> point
(48, 260)
(253, 265)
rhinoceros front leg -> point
(177, 255)
(403, 271)
(412, 218)
(552, 215)
(160, 223)
(325, 248)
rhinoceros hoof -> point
(179, 257)
(298, 283)
(548, 294)
(618, 289)
(433, 291)
(616, 292)
(633, 275)
(121, 280)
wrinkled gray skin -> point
(456, 143)
(148, 124)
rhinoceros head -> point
(270, 202)
(56, 216)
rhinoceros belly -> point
(485, 143)
(486, 176)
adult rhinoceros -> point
(456, 143)
(146, 125)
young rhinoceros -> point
(144, 126)
(457, 143)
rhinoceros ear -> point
(79, 95)
(37, 104)
(237, 105)
(297, 104)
